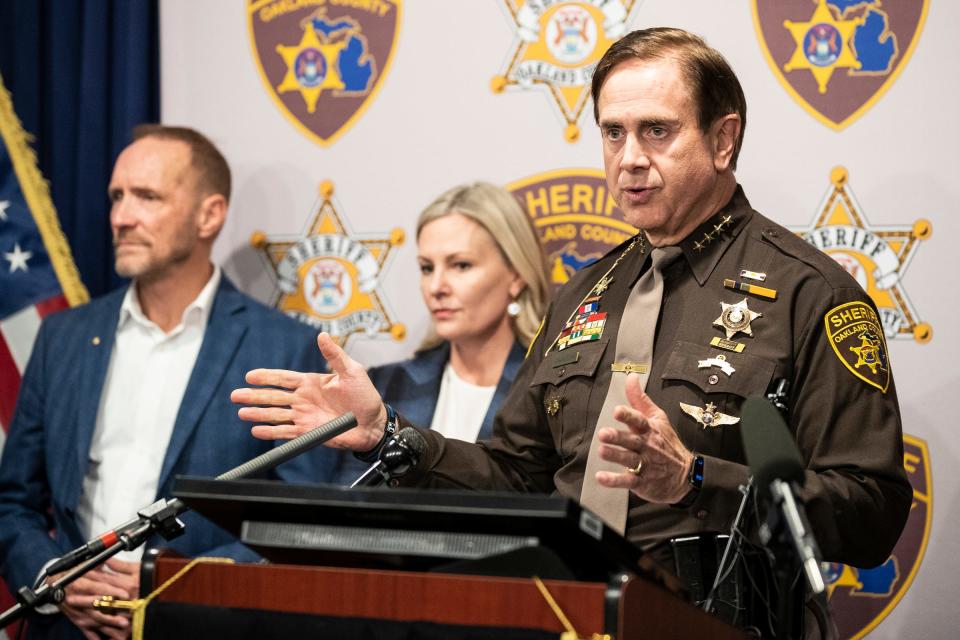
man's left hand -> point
(118, 579)
(650, 441)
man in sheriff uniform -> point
(635, 413)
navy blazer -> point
(412, 387)
(46, 453)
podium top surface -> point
(245, 507)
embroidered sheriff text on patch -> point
(856, 337)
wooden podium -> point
(642, 610)
(373, 563)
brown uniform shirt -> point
(843, 406)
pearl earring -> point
(513, 309)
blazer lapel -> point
(425, 373)
(510, 369)
(225, 329)
(98, 345)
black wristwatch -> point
(389, 429)
(695, 480)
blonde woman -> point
(484, 281)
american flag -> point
(37, 273)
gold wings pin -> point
(708, 416)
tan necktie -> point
(635, 336)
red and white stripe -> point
(17, 335)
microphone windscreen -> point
(771, 452)
(414, 441)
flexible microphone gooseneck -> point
(288, 450)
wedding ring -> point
(637, 469)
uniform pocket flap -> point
(714, 371)
(579, 360)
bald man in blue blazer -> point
(136, 385)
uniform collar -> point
(706, 244)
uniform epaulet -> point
(793, 245)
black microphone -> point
(88, 550)
(263, 462)
(400, 453)
(771, 451)
(778, 473)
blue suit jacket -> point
(412, 387)
(46, 454)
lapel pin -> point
(753, 275)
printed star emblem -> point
(330, 278)
(18, 259)
(708, 416)
(823, 45)
(736, 318)
(876, 256)
(312, 65)
(3, 209)
(557, 47)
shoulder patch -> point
(857, 339)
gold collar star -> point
(710, 236)
(736, 318)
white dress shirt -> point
(145, 382)
(461, 407)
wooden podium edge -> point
(482, 601)
(645, 609)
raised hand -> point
(295, 402)
(651, 440)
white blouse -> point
(461, 407)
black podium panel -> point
(461, 531)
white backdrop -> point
(435, 123)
